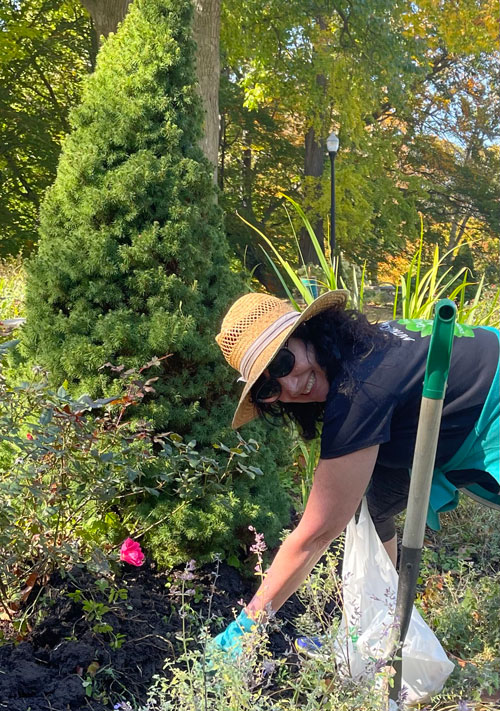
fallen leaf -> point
(93, 668)
(30, 582)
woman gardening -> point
(361, 384)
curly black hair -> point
(340, 340)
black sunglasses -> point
(268, 387)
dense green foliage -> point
(45, 50)
(132, 260)
(413, 98)
(77, 477)
(315, 68)
(133, 264)
(412, 91)
(216, 499)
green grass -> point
(12, 282)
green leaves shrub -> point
(77, 476)
(66, 478)
(218, 501)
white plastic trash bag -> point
(369, 583)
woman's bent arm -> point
(339, 485)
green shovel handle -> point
(439, 355)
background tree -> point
(456, 154)
(106, 16)
(206, 34)
(318, 67)
(390, 78)
(45, 49)
(362, 70)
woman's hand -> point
(230, 640)
(338, 487)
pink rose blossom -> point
(131, 552)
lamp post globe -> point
(332, 146)
(332, 143)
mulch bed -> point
(64, 665)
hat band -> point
(266, 337)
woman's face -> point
(307, 381)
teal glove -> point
(230, 639)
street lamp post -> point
(332, 145)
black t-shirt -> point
(385, 405)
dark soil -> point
(64, 664)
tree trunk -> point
(246, 173)
(314, 160)
(206, 31)
(106, 15)
(222, 152)
(458, 225)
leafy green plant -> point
(459, 592)
(416, 294)
(462, 526)
(40, 81)
(326, 276)
(261, 681)
(484, 309)
(12, 283)
(419, 290)
(461, 606)
(95, 610)
(69, 470)
(209, 502)
(321, 596)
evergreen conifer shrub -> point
(132, 259)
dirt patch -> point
(90, 652)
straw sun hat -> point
(255, 328)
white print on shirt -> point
(386, 326)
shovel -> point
(436, 376)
